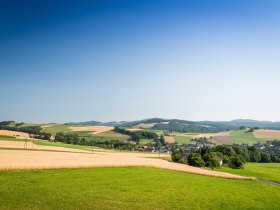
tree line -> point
(73, 138)
(233, 156)
(33, 131)
(137, 135)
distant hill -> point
(189, 126)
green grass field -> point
(53, 129)
(130, 188)
(60, 144)
(267, 171)
(158, 132)
(146, 141)
(183, 139)
(242, 136)
(7, 138)
(88, 135)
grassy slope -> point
(53, 129)
(130, 188)
(60, 144)
(8, 138)
(183, 139)
(268, 171)
(158, 132)
(242, 136)
(88, 135)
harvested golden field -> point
(14, 134)
(145, 125)
(202, 135)
(94, 129)
(267, 134)
(169, 139)
(32, 159)
(111, 134)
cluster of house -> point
(192, 148)
(163, 149)
(260, 145)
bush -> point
(195, 159)
(236, 162)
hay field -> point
(14, 134)
(169, 139)
(267, 134)
(93, 129)
(73, 158)
(221, 138)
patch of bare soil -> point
(221, 138)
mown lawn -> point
(130, 188)
(268, 171)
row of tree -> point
(72, 138)
(33, 131)
(232, 156)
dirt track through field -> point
(26, 159)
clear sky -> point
(105, 60)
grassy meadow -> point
(9, 138)
(267, 171)
(242, 136)
(130, 188)
(53, 129)
(183, 139)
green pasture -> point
(130, 188)
(267, 171)
(242, 136)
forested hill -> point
(189, 126)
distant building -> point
(220, 160)
(244, 145)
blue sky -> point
(125, 60)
